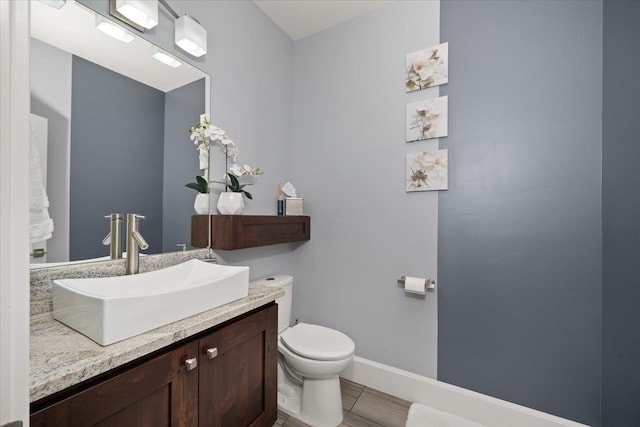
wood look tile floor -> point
(362, 407)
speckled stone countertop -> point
(61, 357)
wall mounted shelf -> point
(230, 232)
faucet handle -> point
(113, 216)
(134, 217)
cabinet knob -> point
(212, 353)
(191, 364)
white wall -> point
(349, 165)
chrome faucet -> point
(114, 238)
(135, 241)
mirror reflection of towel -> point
(41, 224)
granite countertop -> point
(61, 357)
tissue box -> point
(293, 206)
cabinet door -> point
(238, 373)
(160, 392)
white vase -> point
(231, 203)
(201, 205)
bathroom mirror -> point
(113, 129)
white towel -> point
(424, 416)
(39, 219)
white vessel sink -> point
(111, 309)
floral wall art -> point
(427, 119)
(427, 67)
(427, 171)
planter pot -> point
(231, 203)
(201, 204)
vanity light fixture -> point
(57, 4)
(113, 30)
(191, 36)
(142, 12)
(167, 59)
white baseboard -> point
(478, 407)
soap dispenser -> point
(280, 201)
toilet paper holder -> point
(430, 284)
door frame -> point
(14, 210)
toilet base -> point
(317, 402)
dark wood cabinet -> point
(230, 232)
(238, 384)
(159, 392)
(233, 384)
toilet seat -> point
(317, 342)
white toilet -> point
(310, 357)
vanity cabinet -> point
(226, 376)
(238, 373)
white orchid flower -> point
(232, 151)
(237, 170)
(225, 140)
(204, 134)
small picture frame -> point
(427, 171)
(427, 68)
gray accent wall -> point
(520, 243)
(621, 215)
(102, 145)
(183, 107)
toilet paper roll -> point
(415, 285)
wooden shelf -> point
(230, 232)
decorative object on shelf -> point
(293, 205)
(280, 201)
(280, 204)
(427, 171)
(233, 184)
(230, 203)
(427, 119)
(201, 204)
(427, 67)
(204, 134)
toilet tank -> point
(284, 303)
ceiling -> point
(301, 18)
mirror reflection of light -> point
(113, 30)
(167, 59)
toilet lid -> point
(317, 342)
